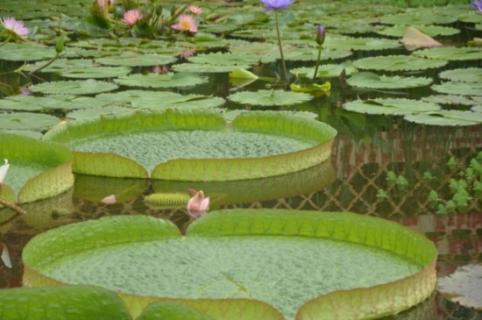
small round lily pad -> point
(266, 98)
(390, 106)
(451, 53)
(397, 63)
(371, 80)
(459, 88)
(168, 80)
(463, 75)
(73, 87)
(136, 60)
(447, 118)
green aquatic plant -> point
(37, 170)
(176, 145)
(61, 303)
(404, 260)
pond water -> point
(380, 165)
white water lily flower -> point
(112, 199)
(4, 171)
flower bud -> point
(320, 34)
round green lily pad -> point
(418, 17)
(431, 30)
(25, 52)
(338, 42)
(449, 100)
(397, 63)
(168, 80)
(447, 118)
(267, 98)
(369, 80)
(171, 311)
(295, 263)
(95, 72)
(390, 106)
(27, 121)
(182, 145)
(463, 75)
(38, 170)
(460, 88)
(137, 60)
(73, 87)
(451, 53)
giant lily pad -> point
(370, 80)
(196, 146)
(304, 264)
(73, 87)
(398, 63)
(61, 303)
(38, 170)
(390, 106)
(248, 191)
(269, 98)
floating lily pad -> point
(229, 255)
(38, 170)
(477, 109)
(463, 286)
(26, 52)
(61, 303)
(449, 100)
(451, 53)
(461, 88)
(371, 80)
(175, 144)
(447, 118)
(324, 71)
(397, 63)
(338, 42)
(27, 121)
(206, 68)
(268, 98)
(227, 59)
(137, 60)
(98, 112)
(390, 106)
(418, 17)
(311, 54)
(239, 192)
(168, 80)
(171, 311)
(433, 31)
(73, 87)
(59, 65)
(463, 75)
(95, 72)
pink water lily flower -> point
(15, 27)
(198, 205)
(3, 171)
(195, 10)
(186, 23)
(131, 17)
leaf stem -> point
(46, 65)
(12, 206)
(318, 61)
(285, 72)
